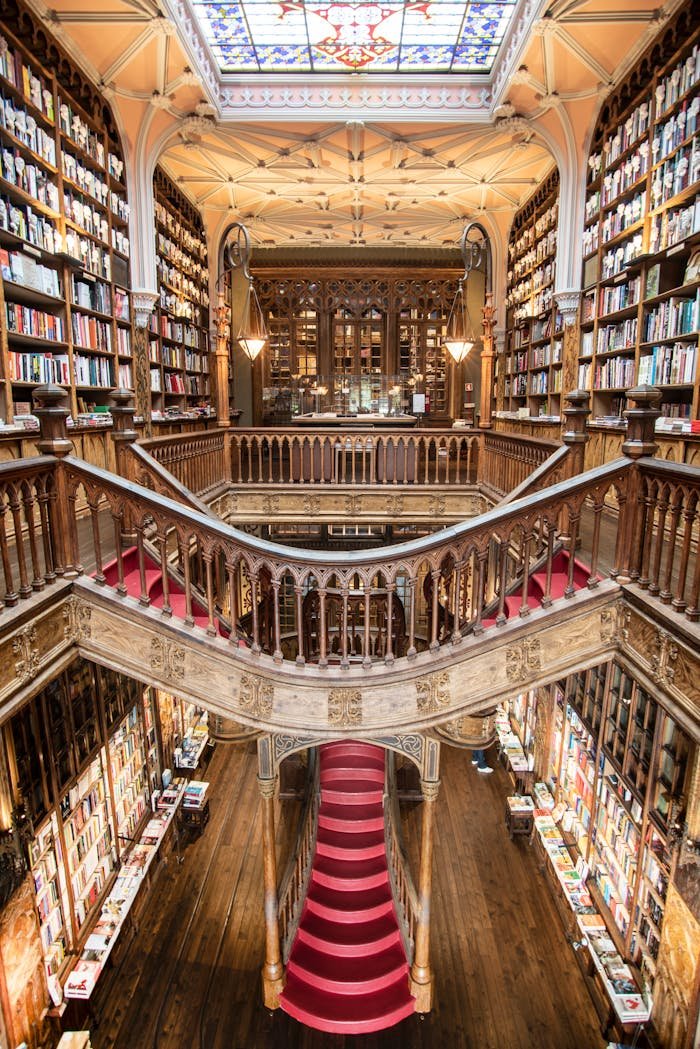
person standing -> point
(479, 759)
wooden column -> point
(574, 433)
(142, 303)
(273, 970)
(219, 358)
(52, 416)
(641, 417)
(488, 315)
(421, 977)
(123, 432)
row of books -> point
(627, 132)
(617, 336)
(669, 228)
(105, 933)
(22, 221)
(669, 365)
(85, 178)
(626, 214)
(91, 333)
(75, 128)
(22, 126)
(615, 373)
(26, 320)
(20, 268)
(172, 224)
(20, 74)
(675, 316)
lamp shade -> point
(459, 338)
(252, 333)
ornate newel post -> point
(273, 969)
(143, 303)
(568, 306)
(53, 414)
(123, 433)
(421, 976)
(641, 420)
(574, 433)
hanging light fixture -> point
(252, 331)
(460, 337)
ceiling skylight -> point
(317, 36)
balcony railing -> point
(356, 608)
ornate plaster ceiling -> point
(353, 159)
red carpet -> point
(347, 972)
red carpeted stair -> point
(537, 585)
(154, 587)
(347, 972)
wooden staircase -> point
(347, 971)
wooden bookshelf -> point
(64, 244)
(179, 326)
(622, 761)
(641, 268)
(532, 368)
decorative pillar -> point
(52, 414)
(273, 969)
(220, 360)
(641, 419)
(487, 354)
(574, 429)
(123, 432)
(421, 977)
(143, 303)
(568, 305)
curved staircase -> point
(347, 971)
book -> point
(692, 269)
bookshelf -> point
(130, 791)
(45, 859)
(87, 832)
(64, 245)
(641, 266)
(532, 369)
(179, 326)
(623, 762)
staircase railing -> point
(359, 456)
(652, 540)
(295, 880)
(403, 889)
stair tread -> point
(355, 813)
(340, 842)
(349, 935)
(347, 1014)
(349, 867)
(349, 899)
(385, 965)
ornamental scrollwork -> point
(24, 646)
(433, 693)
(167, 659)
(345, 706)
(77, 616)
(523, 660)
(256, 696)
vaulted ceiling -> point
(357, 158)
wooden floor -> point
(505, 976)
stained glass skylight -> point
(318, 36)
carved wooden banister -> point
(402, 885)
(295, 880)
(472, 565)
(198, 461)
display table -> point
(190, 753)
(520, 815)
(194, 812)
(613, 985)
(127, 886)
(371, 419)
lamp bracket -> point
(474, 251)
(236, 249)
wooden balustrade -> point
(403, 888)
(199, 461)
(507, 460)
(29, 525)
(354, 456)
(292, 891)
(430, 592)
